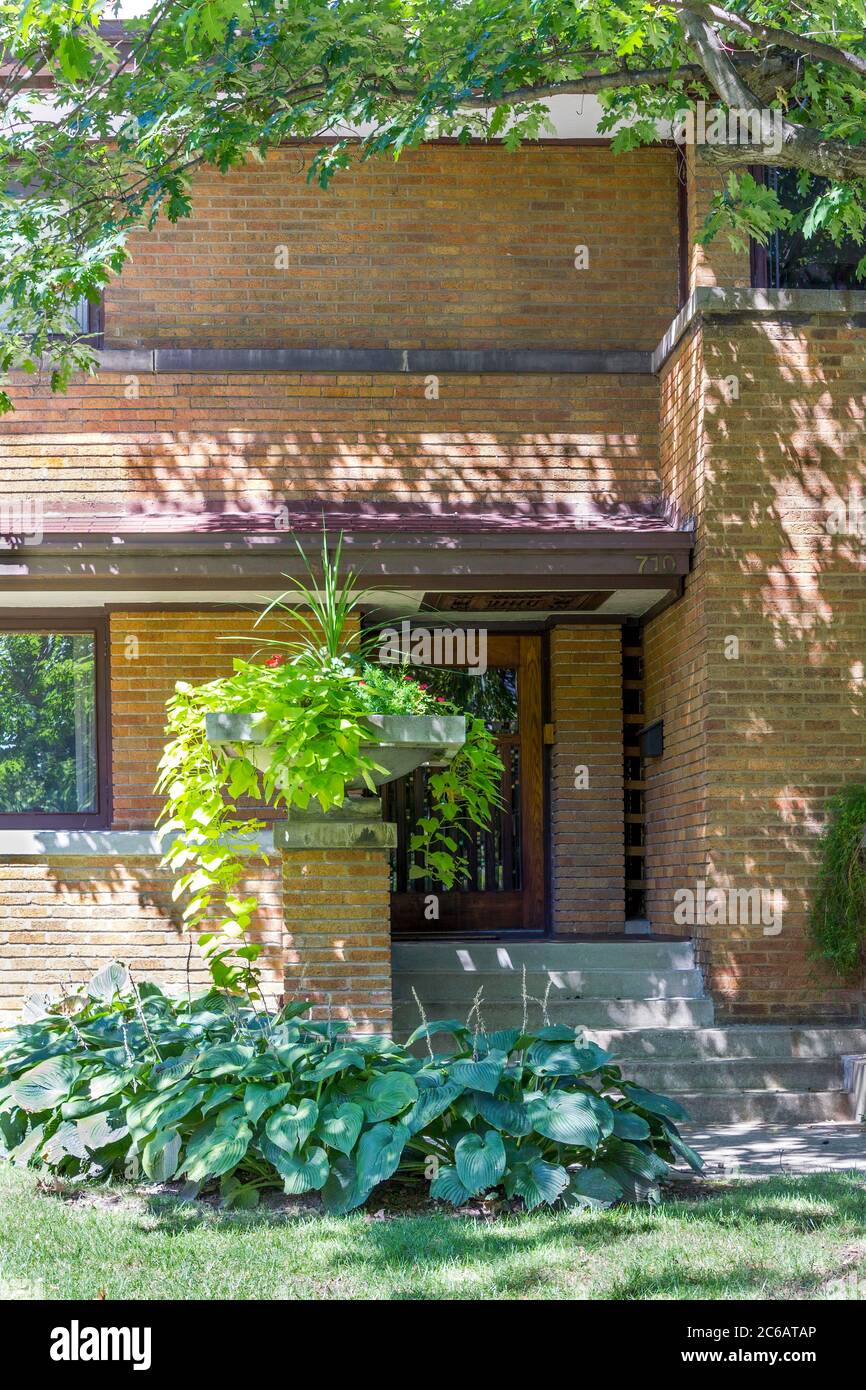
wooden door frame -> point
(525, 651)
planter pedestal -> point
(337, 912)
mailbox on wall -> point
(652, 739)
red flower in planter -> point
(275, 660)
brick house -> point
(533, 404)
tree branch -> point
(786, 38)
(799, 147)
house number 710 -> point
(651, 564)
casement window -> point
(791, 262)
(54, 738)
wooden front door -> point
(505, 888)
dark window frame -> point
(72, 620)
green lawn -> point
(784, 1238)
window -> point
(790, 261)
(53, 728)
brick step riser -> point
(725, 1077)
(563, 985)
(723, 1044)
(421, 957)
(607, 1013)
(768, 1107)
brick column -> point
(337, 912)
(587, 825)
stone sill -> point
(127, 844)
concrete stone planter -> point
(405, 741)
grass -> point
(779, 1238)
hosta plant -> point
(119, 1080)
(316, 686)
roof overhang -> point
(582, 559)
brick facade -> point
(586, 780)
(241, 443)
(448, 247)
(337, 934)
(62, 918)
(758, 671)
(753, 427)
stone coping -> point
(131, 844)
(714, 301)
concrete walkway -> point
(758, 1150)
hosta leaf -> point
(478, 1076)
(341, 1059)
(379, 1152)
(439, 1025)
(219, 1061)
(291, 1126)
(341, 1192)
(387, 1094)
(628, 1125)
(679, 1145)
(592, 1187)
(110, 1083)
(258, 1099)
(213, 1151)
(45, 1085)
(307, 1174)
(447, 1187)
(114, 979)
(103, 1128)
(503, 1040)
(64, 1141)
(555, 1032)
(480, 1160)
(509, 1115)
(169, 1072)
(536, 1181)
(432, 1102)
(655, 1104)
(215, 1096)
(26, 1150)
(161, 1156)
(576, 1118)
(163, 1109)
(339, 1125)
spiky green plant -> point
(838, 916)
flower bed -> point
(120, 1080)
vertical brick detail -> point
(587, 826)
(756, 745)
(63, 918)
(718, 263)
(337, 914)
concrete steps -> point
(644, 1002)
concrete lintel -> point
(122, 844)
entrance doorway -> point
(504, 890)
